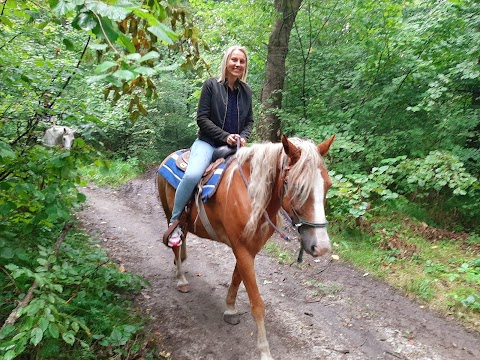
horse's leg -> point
(183, 251)
(245, 265)
(182, 283)
(231, 314)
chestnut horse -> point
(262, 179)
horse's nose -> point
(316, 242)
(321, 246)
(319, 251)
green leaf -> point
(36, 336)
(134, 57)
(6, 151)
(85, 21)
(20, 335)
(145, 71)
(5, 20)
(68, 338)
(116, 336)
(43, 323)
(106, 30)
(94, 79)
(126, 43)
(7, 253)
(115, 12)
(104, 66)
(62, 7)
(32, 308)
(57, 288)
(53, 330)
(6, 330)
(149, 56)
(163, 33)
(68, 44)
(75, 326)
(124, 75)
(9, 355)
(81, 197)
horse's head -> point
(305, 185)
(67, 137)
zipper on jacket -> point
(225, 102)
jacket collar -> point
(235, 86)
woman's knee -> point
(192, 177)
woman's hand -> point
(232, 140)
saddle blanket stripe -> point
(173, 174)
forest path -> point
(323, 310)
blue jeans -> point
(200, 157)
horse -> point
(261, 180)
(59, 135)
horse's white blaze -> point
(321, 234)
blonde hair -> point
(226, 57)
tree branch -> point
(71, 75)
(9, 41)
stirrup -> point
(175, 238)
(171, 228)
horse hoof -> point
(232, 319)
(183, 288)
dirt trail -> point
(325, 310)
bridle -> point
(296, 220)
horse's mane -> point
(266, 160)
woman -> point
(224, 117)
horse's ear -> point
(325, 146)
(291, 150)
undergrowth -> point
(79, 310)
(111, 173)
(440, 268)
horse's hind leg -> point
(182, 283)
(231, 314)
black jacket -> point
(212, 108)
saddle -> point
(219, 157)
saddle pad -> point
(173, 174)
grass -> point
(440, 269)
(112, 173)
(283, 255)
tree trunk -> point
(268, 128)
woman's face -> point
(236, 64)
